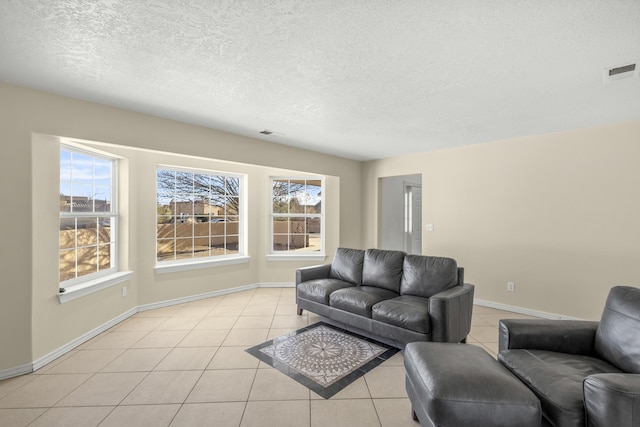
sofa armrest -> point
(313, 272)
(612, 400)
(450, 313)
(564, 336)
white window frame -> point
(78, 286)
(184, 264)
(289, 255)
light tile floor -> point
(185, 365)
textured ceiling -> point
(362, 79)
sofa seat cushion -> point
(359, 300)
(556, 378)
(406, 311)
(319, 290)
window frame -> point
(100, 276)
(290, 255)
(184, 264)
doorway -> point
(400, 226)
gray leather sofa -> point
(389, 295)
(584, 373)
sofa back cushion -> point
(383, 269)
(347, 265)
(425, 276)
(618, 335)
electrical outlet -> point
(124, 291)
(511, 286)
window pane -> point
(297, 226)
(67, 233)
(201, 229)
(65, 200)
(201, 186)
(233, 186)
(102, 199)
(280, 242)
(166, 249)
(232, 206)
(217, 227)
(104, 230)
(313, 228)
(65, 165)
(280, 196)
(65, 181)
(104, 257)
(313, 194)
(184, 248)
(296, 197)
(166, 181)
(183, 205)
(217, 243)
(102, 172)
(165, 192)
(201, 247)
(166, 227)
(67, 265)
(231, 246)
(81, 168)
(87, 260)
(81, 198)
(184, 182)
(87, 232)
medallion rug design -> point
(322, 357)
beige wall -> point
(32, 322)
(557, 214)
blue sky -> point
(84, 176)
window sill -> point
(176, 266)
(296, 257)
(92, 286)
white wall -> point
(558, 214)
(32, 322)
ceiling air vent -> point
(619, 73)
(271, 132)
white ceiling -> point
(362, 79)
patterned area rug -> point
(322, 357)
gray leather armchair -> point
(584, 373)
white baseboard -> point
(521, 310)
(192, 298)
(61, 351)
(42, 361)
(277, 285)
(39, 363)
(16, 372)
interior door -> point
(412, 218)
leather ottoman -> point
(460, 385)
